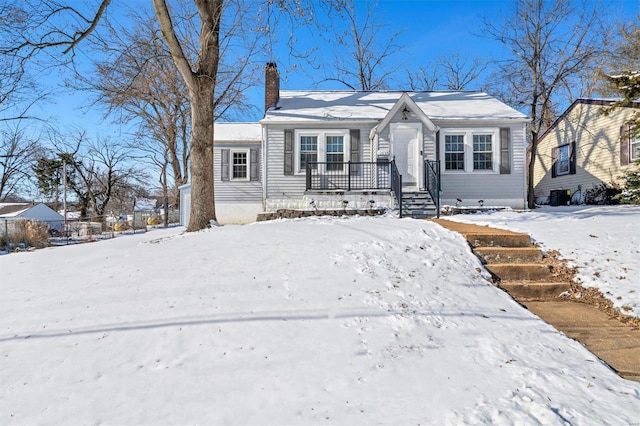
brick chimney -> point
(271, 86)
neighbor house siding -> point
(502, 189)
(597, 139)
(232, 190)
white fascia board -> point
(318, 123)
(481, 122)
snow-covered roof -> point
(13, 209)
(237, 132)
(353, 105)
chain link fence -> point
(17, 234)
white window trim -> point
(634, 141)
(322, 144)
(468, 148)
(248, 165)
(557, 165)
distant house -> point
(37, 212)
(360, 150)
(582, 149)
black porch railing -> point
(432, 182)
(396, 186)
(350, 176)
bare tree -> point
(17, 156)
(453, 71)
(549, 43)
(96, 171)
(47, 24)
(363, 50)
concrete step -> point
(521, 271)
(532, 290)
(498, 240)
(509, 254)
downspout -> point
(264, 168)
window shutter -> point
(224, 170)
(355, 145)
(625, 137)
(254, 169)
(572, 158)
(505, 151)
(355, 150)
(554, 162)
(288, 152)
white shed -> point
(39, 212)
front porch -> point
(340, 178)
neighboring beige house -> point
(582, 149)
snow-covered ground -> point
(602, 241)
(314, 321)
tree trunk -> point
(203, 211)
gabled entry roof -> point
(406, 102)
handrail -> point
(432, 182)
(396, 185)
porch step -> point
(418, 205)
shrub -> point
(602, 194)
(630, 193)
(27, 232)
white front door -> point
(405, 147)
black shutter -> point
(554, 162)
(505, 151)
(254, 169)
(625, 137)
(224, 169)
(355, 145)
(572, 158)
(288, 152)
(355, 151)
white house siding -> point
(493, 188)
(597, 140)
(287, 191)
(237, 201)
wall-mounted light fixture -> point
(405, 113)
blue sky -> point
(428, 28)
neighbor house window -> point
(563, 160)
(482, 152)
(635, 148)
(322, 146)
(454, 152)
(239, 165)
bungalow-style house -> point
(582, 149)
(28, 211)
(345, 150)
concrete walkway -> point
(613, 341)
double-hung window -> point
(335, 153)
(470, 150)
(454, 152)
(482, 152)
(563, 160)
(321, 146)
(308, 151)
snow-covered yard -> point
(314, 321)
(602, 241)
